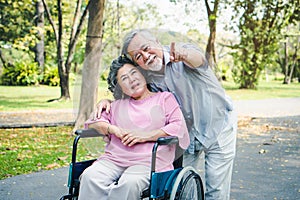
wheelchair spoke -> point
(188, 186)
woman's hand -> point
(132, 138)
(103, 104)
(118, 132)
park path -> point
(277, 107)
(254, 108)
(37, 118)
(267, 164)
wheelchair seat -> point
(180, 183)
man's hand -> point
(103, 104)
(189, 54)
(177, 53)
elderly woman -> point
(137, 118)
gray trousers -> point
(99, 181)
(218, 162)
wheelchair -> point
(182, 183)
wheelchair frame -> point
(175, 183)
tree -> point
(106, 29)
(260, 27)
(63, 64)
(212, 22)
(212, 10)
(17, 30)
(39, 48)
(90, 72)
(288, 58)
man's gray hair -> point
(129, 36)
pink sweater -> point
(160, 111)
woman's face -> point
(131, 81)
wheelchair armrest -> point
(167, 140)
(85, 133)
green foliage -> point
(16, 19)
(260, 26)
(288, 55)
(21, 73)
(51, 76)
(224, 71)
(26, 72)
(121, 17)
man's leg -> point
(192, 160)
(219, 163)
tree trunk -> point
(210, 47)
(286, 64)
(39, 48)
(76, 30)
(91, 67)
(62, 71)
(64, 67)
(294, 60)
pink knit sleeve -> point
(175, 124)
(104, 118)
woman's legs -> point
(131, 184)
(96, 181)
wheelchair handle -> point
(91, 132)
(168, 140)
(83, 133)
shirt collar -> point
(166, 52)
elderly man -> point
(183, 70)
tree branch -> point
(76, 15)
(208, 8)
(216, 5)
(74, 39)
(50, 20)
(59, 21)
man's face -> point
(147, 54)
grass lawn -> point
(29, 150)
(34, 149)
(265, 90)
(15, 98)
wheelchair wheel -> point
(187, 186)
